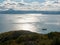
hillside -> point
(29, 38)
(11, 11)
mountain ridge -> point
(11, 11)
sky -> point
(35, 4)
(25, 0)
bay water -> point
(30, 22)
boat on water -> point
(44, 29)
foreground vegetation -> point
(29, 38)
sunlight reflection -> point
(25, 22)
(28, 27)
(30, 22)
(26, 19)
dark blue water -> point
(30, 22)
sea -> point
(39, 23)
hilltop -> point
(29, 38)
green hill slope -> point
(29, 38)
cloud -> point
(47, 5)
(51, 5)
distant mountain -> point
(29, 38)
(11, 11)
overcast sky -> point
(44, 4)
(25, 0)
